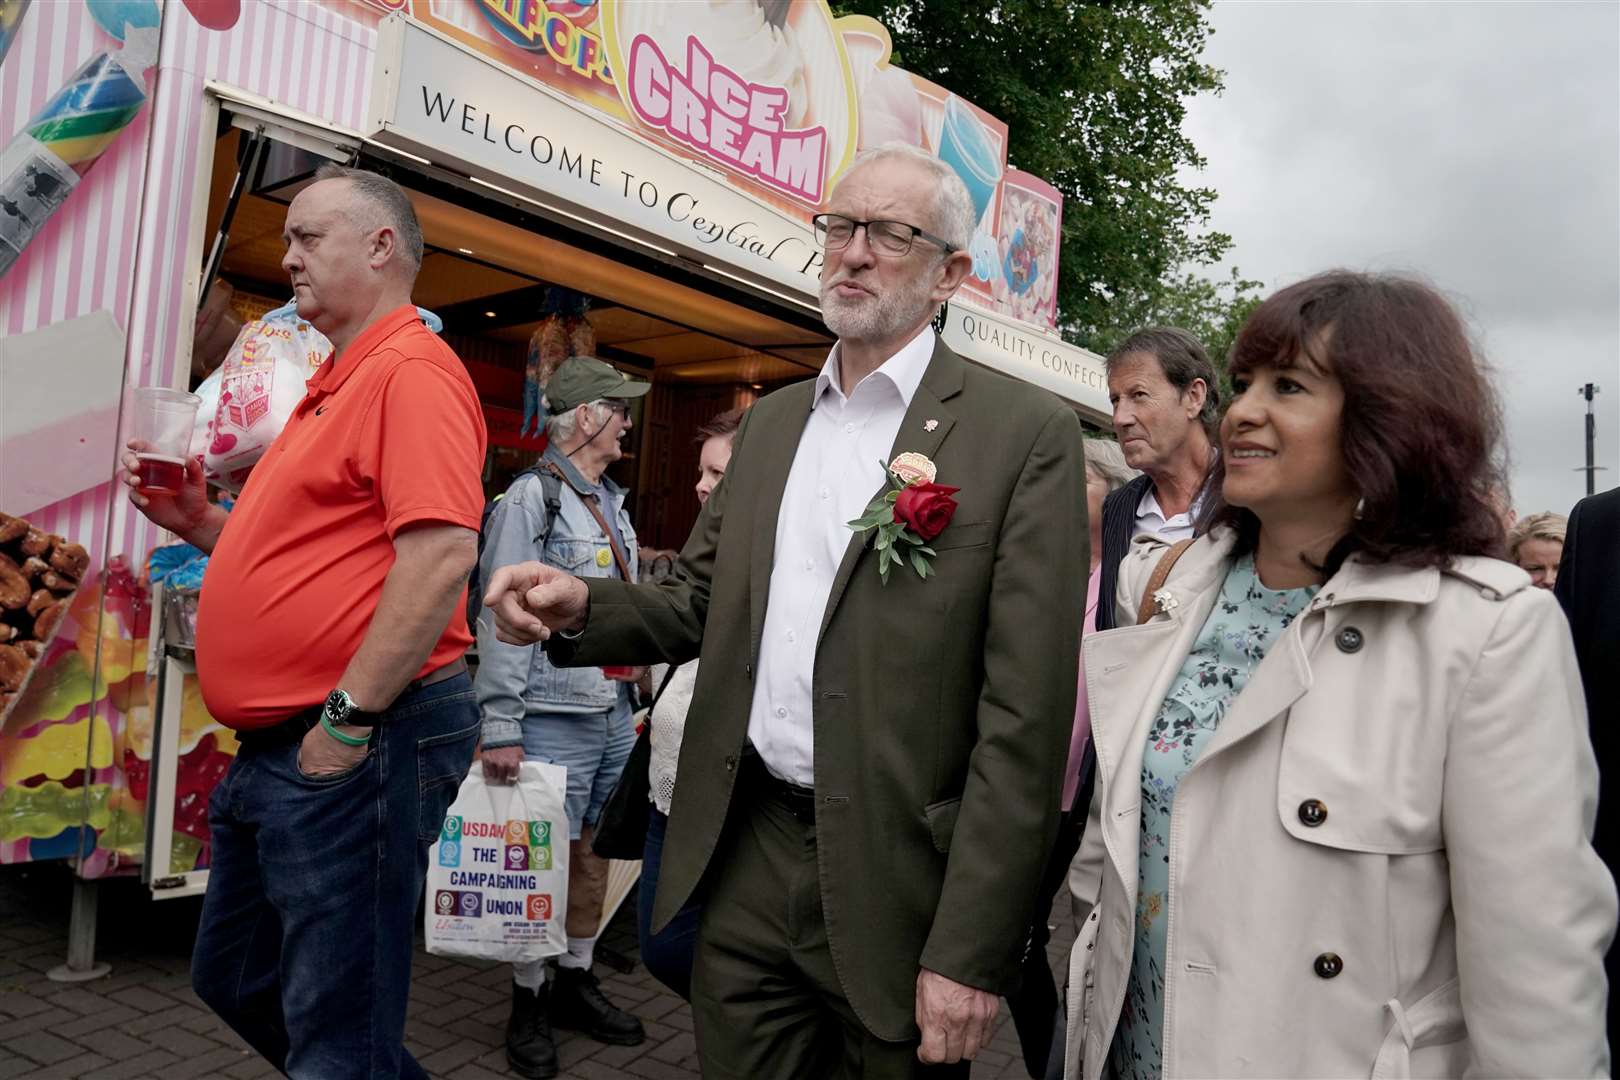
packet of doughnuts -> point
(39, 573)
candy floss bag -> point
(252, 395)
(497, 883)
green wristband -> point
(346, 740)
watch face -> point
(338, 706)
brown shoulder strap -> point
(1161, 574)
(596, 512)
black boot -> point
(577, 1002)
(530, 1049)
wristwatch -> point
(340, 709)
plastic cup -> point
(163, 420)
(966, 146)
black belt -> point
(796, 800)
(295, 727)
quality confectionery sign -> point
(770, 100)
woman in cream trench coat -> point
(1349, 885)
(1379, 862)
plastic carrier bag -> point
(249, 398)
(497, 882)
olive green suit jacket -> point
(942, 707)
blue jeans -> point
(307, 926)
(668, 953)
(592, 746)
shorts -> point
(592, 746)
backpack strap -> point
(601, 522)
(551, 491)
(1161, 574)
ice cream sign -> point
(712, 109)
(763, 89)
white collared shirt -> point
(1151, 521)
(836, 471)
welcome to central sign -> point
(437, 100)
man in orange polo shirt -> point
(330, 636)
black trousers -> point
(766, 1000)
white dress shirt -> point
(1151, 519)
(837, 469)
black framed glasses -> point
(892, 238)
(619, 406)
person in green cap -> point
(566, 513)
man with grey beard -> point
(875, 745)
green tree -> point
(1093, 95)
(1211, 311)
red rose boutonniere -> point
(902, 521)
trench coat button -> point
(1312, 812)
(1349, 640)
(1328, 965)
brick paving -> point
(143, 1021)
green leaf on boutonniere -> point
(895, 543)
(876, 516)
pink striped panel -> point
(299, 53)
(73, 266)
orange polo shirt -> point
(388, 436)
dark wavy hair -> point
(1421, 427)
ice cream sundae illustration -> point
(1028, 255)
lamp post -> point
(1587, 392)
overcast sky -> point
(1476, 144)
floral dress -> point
(1246, 620)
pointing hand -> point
(531, 601)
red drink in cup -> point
(161, 421)
(161, 475)
(618, 671)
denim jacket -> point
(514, 681)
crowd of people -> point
(1319, 786)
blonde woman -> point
(1536, 543)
